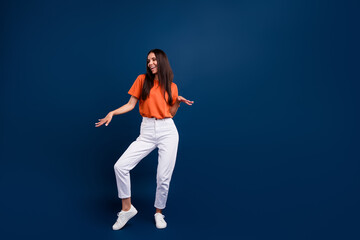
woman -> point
(158, 104)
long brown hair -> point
(165, 75)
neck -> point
(156, 77)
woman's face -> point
(152, 63)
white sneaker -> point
(159, 220)
(124, 217)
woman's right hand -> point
(105, 120)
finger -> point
(99, 123)
(102, 121)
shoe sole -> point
(160, 227)
(131, 216)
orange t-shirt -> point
(155, 105)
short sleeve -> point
(174, 92)
(137, 86)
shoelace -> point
(161, 218)
(120, 217)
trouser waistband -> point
(146, 119)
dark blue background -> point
(269, 150)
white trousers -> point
(160, 133)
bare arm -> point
(127, 107)
(174, 108)
(121, 110)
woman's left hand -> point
(182, 99)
